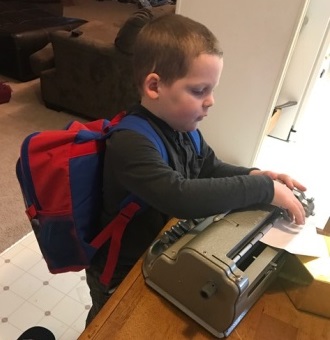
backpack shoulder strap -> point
(196, 140)
(138, 124)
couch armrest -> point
(92, 77)
(42, 60)
(85, 54)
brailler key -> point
(184, 226)
(177, 231)
(171, 236)
(165, 239)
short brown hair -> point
(168, 44)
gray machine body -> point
(216, 269)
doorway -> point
(305, 155)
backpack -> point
(60, 175)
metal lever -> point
(308, 203)
(287, 104)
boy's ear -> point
(151, 85)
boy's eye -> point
(198, 92)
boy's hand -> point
(284, 198)
(283, 195)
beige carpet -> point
(26, 113)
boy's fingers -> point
(299, 213)
(299, 186)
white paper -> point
(296, 239)
(320, 219)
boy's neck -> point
(149, 111)
(150, 106)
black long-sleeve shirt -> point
(190, 186)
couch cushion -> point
(127, 34)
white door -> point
(304, 67)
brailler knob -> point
(208, 290)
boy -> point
(177, 64)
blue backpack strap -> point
(141, 125)
(138, 124)
(196, 140)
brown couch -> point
(24, 29)
(51, 6)
(92, 74)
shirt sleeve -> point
(139, 168)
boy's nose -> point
(209, 101)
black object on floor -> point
(37, 333)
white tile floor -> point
(31, 296)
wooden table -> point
(135, 311)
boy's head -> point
(177, 64)
(167, 45)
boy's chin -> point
(187, 128)
(194, 127)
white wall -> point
(304, 67)
(257, 37)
